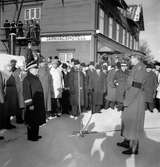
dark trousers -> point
(1, 116)
(157, 104)
(66, 106)
(56, 106)
(32, 132)
(19, 115)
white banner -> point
(66, 38)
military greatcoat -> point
(134, 101)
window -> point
(65, 56)
(38, 12)
(101, 21)
(27, 14)
(136, 44)
(127, 40)
(117, 32)
(123, 36)
(33, 13)
(110, 27)
(131, 42)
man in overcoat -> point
(150, 88)
(34, 100)
(120, 80)
(91, 72)
(66, 106)
(111, 89)
(46, 81)
(99, 88)
(76, 83)
(134, 105)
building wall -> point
(112, 11)
(81, 50)
(76, 15)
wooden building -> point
(85, 29)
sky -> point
(151, 9)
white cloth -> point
(58, 82)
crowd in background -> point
(29, 30)
(72, 87)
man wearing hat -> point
(77, 89)
(99, 88)
(120, 80)
(111, 89)
(34, 100)
(91, 72)
(150, 88)
(134, 106)
(86, 82)
(105, 74)
(58, 85)
(46, 81)
(16, 74)
(66, 107)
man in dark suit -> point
(35, 115)
(66, 93)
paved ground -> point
(59, 148)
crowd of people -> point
(29, 30)
(48, 88)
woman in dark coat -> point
(34, 100)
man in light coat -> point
(58, 85)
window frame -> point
(35, 13)
(117, 32)
(101, 22)
(110, 25)
(123, 36)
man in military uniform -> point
(34, 101)
(134, 106)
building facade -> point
(88, 30)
